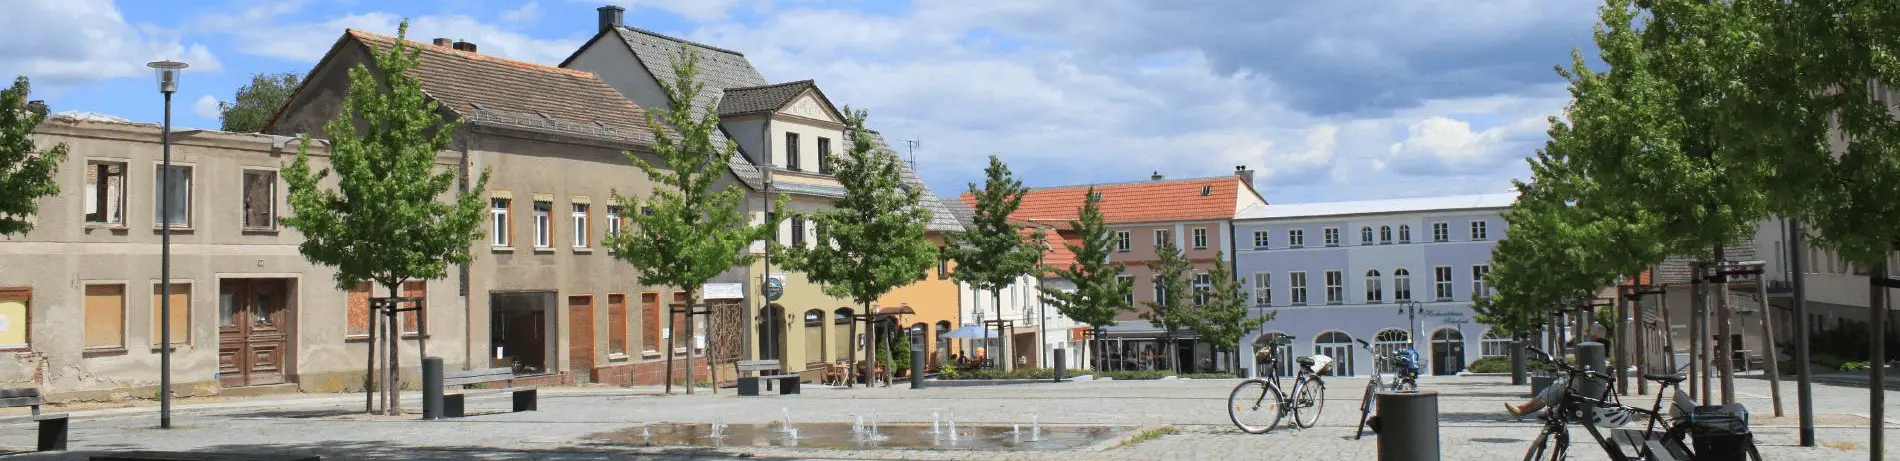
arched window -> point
(1401, 285)
(842, 316)
(1391, 340)
(1338, 346)
(814, 336)
(1385, 235)
(1405, 233)
(1375, 291)
(1492, 345)
(842, 341)
(1365, 235)
(814, 318)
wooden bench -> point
(189, 456)
(52, 427)
(453, 405)
(749, 385)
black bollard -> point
(917, 365)
(1590, 357)
(1408, 426)
(431, 388)
(1517, 362)
(1062, 364)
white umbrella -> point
(967, 332)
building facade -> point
(1333, 273)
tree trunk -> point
(370, 383)
(870, 345)
(1725, 346)
(1002, 341)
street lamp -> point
(1411, 308)
(168, 71)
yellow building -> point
(934, 301)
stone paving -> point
(1472, 426)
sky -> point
(1327, 100)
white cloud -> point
(268, 35)
(207, 107)
(1440, 145)
(61, 43)
(695, 10)
(528, 13)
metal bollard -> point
(1590, 356)
(1517, 362)
(1408, 426)
(431, 388)
(1062, 364)
(917, 365)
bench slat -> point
(9, 402)
(486, 373)
(20, 392)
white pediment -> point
(807, 105)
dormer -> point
(791, 126)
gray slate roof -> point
(960, 210)
(941, 220)
(1676, 269)
(741, 101)
(719, 69)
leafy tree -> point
(1223, 319)
(995, 254)
(26, 172)
(1100, 294)
(1172, 308)
(695, 230)
(257, 101)
(383, 222)
(872, 241)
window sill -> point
(356, 338)
(617, 357)
(114, 227)
(543, 250)
(100, 351)
(16, 349)
(501, 249)
(174, 348)
(649, 354)
(412, 335)
(583, 251)
(175, 230)
(260, 231)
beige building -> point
(79, 302)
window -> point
(616, 324)
(680, 339)
(1161, 292)
(1335, 287)
(1441, 286)
(179, 213)
(1332, 236)
(1296, 238)
(1122, 241)
(1262, 289)
(613, 221)
(943, 264)
(1405, 233)
(1162, 235)
(1401, 285)
(1127, 281)
(105, 317)
(411, 324)
(356, 312)
(581, 233)
(181, 312)
(1200, 238)
(1375, 289)
(1492, 345)
(543, 234)
(1297, 282)
(824, 155)
(498, 221)
(1259, 240)
(1478, 286)
(1477, 230)
(646, 211)
(798, 232)
(260, 200)
(1441, 232)
(1365, 235)
(650, 317)
(1385, 235)
(15, 318)
(105, 192)
(1203, 287)
(791, 152)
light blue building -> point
(1336, 272)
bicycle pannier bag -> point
(1720, 432)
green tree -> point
(995, 254)
(26, 172)
(873, 240)
(257, 101)
(384, 221)
(1100, 294)
(1174, 304)
(1223, 319)
(696, 229)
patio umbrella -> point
(967, 332)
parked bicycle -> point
(1664, 438)
(1260, 399)
(1405, 379)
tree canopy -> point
(1100, 294)
(872, 240)
(26, 172)
(257, 101)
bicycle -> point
(1662, 439)
(1405, 380)
(1256, 394)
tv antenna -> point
(912, 144)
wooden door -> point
(253, 332)
(580, 336)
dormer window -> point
(1097, 196)
(1206, 190)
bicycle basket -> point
(1720, 431)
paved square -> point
(1472, 426)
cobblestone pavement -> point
(1472, 426)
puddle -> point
(841, 435)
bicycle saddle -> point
(1666, 379)
(1304, 361)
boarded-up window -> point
(616, 324)
(105, 193)
(180, 310)
(14, 322)
(357, 311)
(650, 313)
(105, 316)
(680, 338)
(260, 199)
(416, 289)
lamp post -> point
(1411, 308)
(167, 83)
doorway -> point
(1448, 352)
(580, 336)
(1338, 346)
(253, 331)
(772, 334)
(519, 328)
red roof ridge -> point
(1135, 183)
(366, 35)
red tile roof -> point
(1058, 256)
(1135, 202)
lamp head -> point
(168, 71)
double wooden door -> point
(253, 331)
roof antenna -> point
(912, 144)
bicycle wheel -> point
(1538, 447)
(1307, 403)
(1254, 406)
(1365, 409)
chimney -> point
(464, 46)
(1245, 175)
(445, 42)
(37, 106)
(610, 17)
(1155, 177)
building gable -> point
(810, 105)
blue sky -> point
(1327, 99)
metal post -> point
(668, 346)
(916, 367)
(1408, 428)
(431, 388)
(1877, 383)
(1768, 337)
(1517, 359)
(1061, 363)
(1621, 339)
(1590, 356)
(1804, 393)
(165, 274)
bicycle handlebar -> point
(1541, 356)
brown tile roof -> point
(1135, 202)
(491, 90)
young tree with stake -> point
(995, 253)
(1223, 319)
(1173, 306)
(1100, 295)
